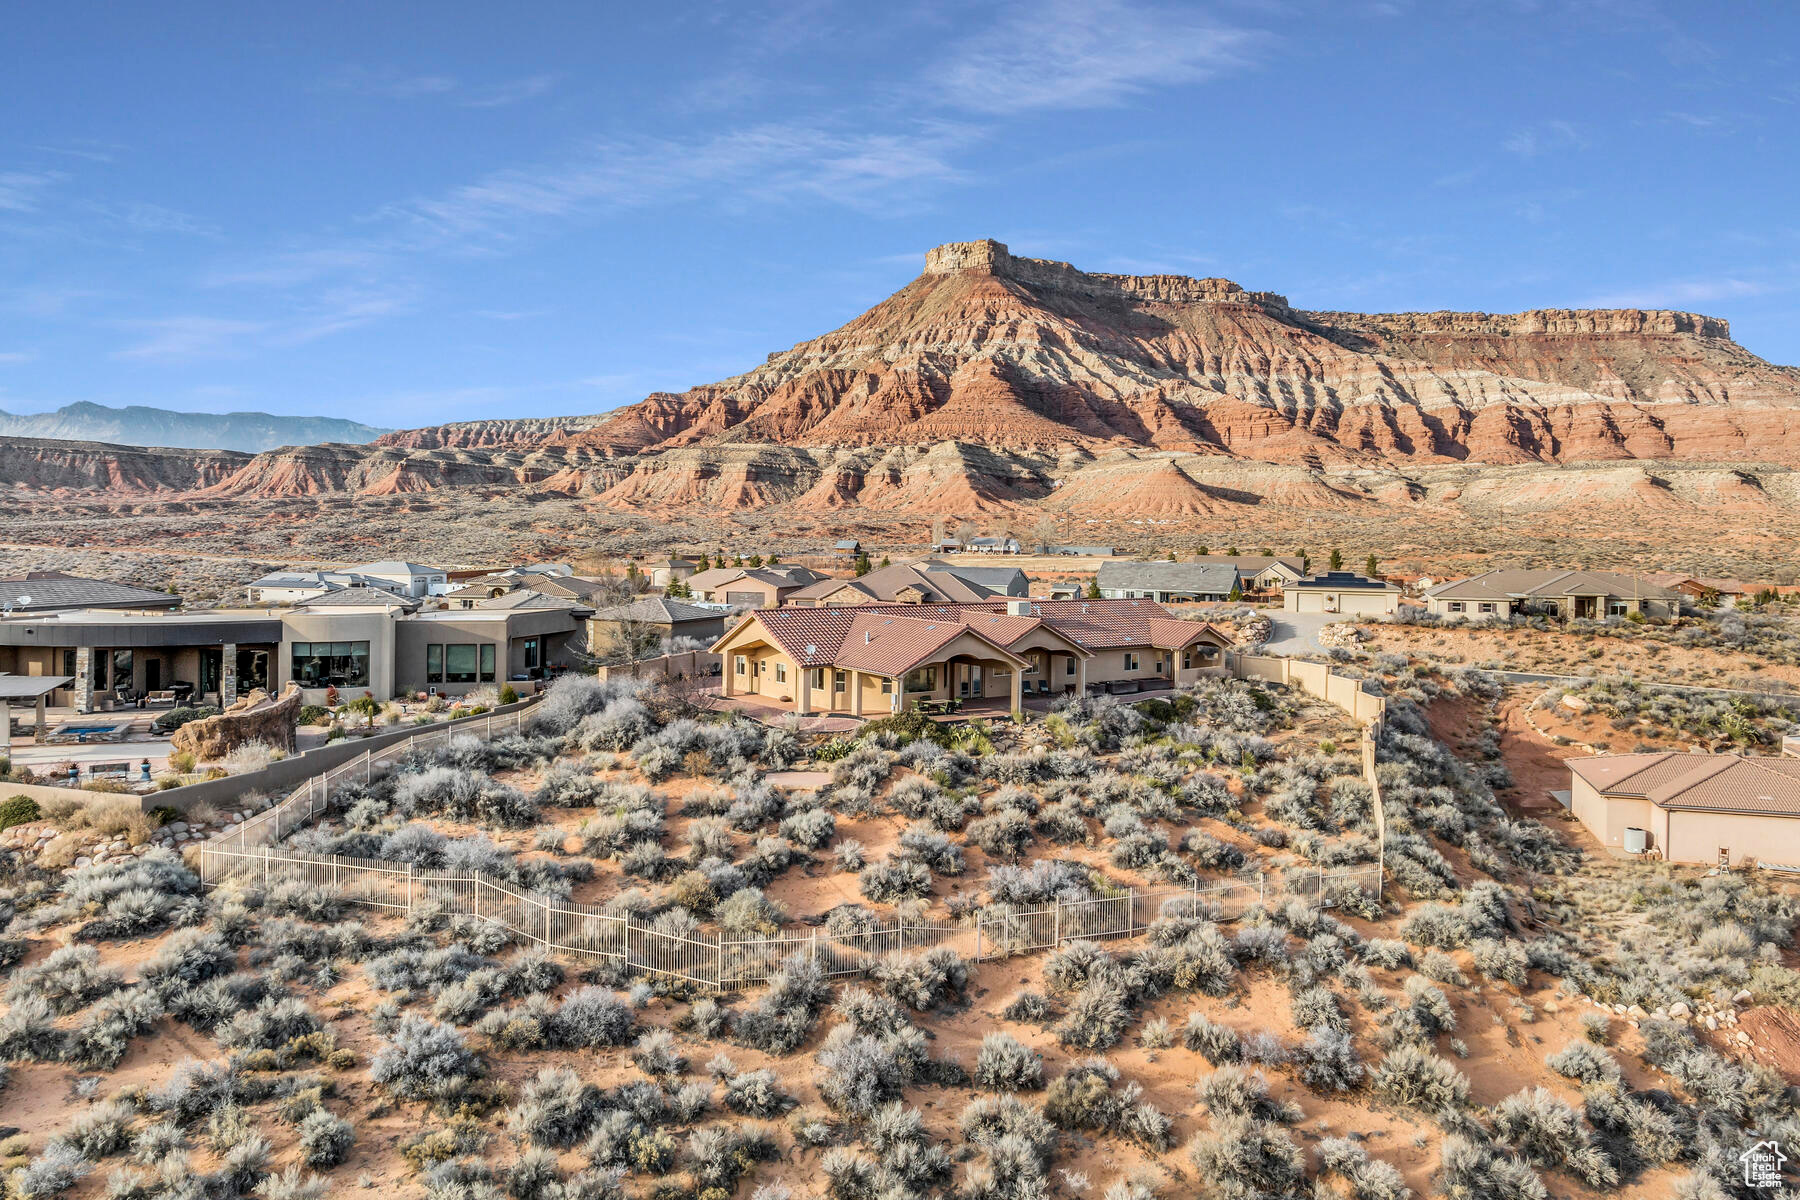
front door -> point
(970, 684)
(153, 675)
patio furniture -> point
(164, 698)
(115, 768)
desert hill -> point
(1014, 389)
(137, 425)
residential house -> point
(653, 616)
(400, 578)
(53, 591)
(1341, 592)
(846, 549)
(665, 571)
(1569, 594)
(993, 545)
(1260, 572)
(1691, 808)
(760, 587)
(1168, 582)
(876, 659)
(356, 640)
(924, 582)
(1704, 590)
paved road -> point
(1296, 634)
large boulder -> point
(255, 718)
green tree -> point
(1237, 590)
(772, 561)
(1093, 589)
(1267, 552)
(885, 562)
(1231, 552)
(1372, 568)
(1202, 551)
(738, 561)
(678, 590)
(1305, 561)
(862, 563)
(1337, 560)
(755, 560)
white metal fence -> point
(1002, 930)
(310, 798)
(711, 960)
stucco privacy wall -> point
(689, 662)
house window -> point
(924, 679)
(1070, 668)
(780, 672)
(837, 681)
(434, 664)
(818, 677)
(1486, 608)
(1456, 606)
(1131, 660)
(1187, 659)
(1617, 608)
(534, 655)
(737, 664)
(488, 657)
(887, 686)
(330, 664)
(459, 664)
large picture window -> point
(924, 679)
(487, 662)
(331, 664)
(459, 664)
(434, 664)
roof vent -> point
(867, 637)
(1084, 609)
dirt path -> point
(1536, 764)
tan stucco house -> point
(1341, 592)
(759, 587)
(1590, 594)
(1691, 808)
(875, 659)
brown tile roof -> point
(815, 636)
(891, 645)
(1707, 782)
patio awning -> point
(31, 687)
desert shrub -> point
(103, 1037)
(924, 981)
(591, 1017)
(1218, 1044)
(1429, 1006)
(1097, 1017)
(325, 1139)
(269, 1026)
(1006, 1064)
(1244, 1158)
(858, 1073)
(1414, 1077)
(812, 829)
(190, 956)
(655, 1054)
(18, 810)
(1027, 1007)
(555, 1109)
(1084, 1098)
(1327, 1060)
(756, 1094)
(1004, 834)
(101, 1131)
(1234, 1090)
(1504, 961)
(1548, 1133)
(423, 1060)
(71, 978)
(783, 1017)
(59, 1168)
(1471, 1168)
(1369, 1178)
(1387, 953)
(894, 879)
(1156, 1034)
(1584, 1062)
(1314, 1007)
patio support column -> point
(1018, 686)
(84, 679)
(856, 693)
(726, 685)
(1081, 676)
(6, 726)
(228, 674)
(803, 693)
(37, 730)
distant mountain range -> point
(252, 432)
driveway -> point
(1296, 635)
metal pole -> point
(1056, 923)
(1259, 887)
(978, 937)
(265, 868)
(409, 890)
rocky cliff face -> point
(997, 382)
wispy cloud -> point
(10, 358)
(767, 163)
(1069, 54)
(1676, 292)
(1548, 136)
(22, 191)
(187, 338)
(391, 84)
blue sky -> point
(415, 213)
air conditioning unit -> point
(1636, 840)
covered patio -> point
(32, 691)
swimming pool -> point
(86, 730)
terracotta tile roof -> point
(890, 645)
(1706, 782)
